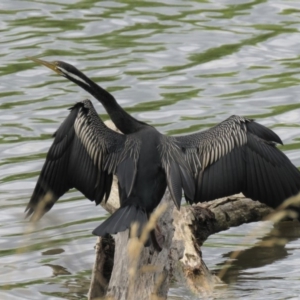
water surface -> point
(181, 66)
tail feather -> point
(122, 219)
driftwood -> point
(181, 259)
(125, 269)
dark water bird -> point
(237, 155)
(86, 153)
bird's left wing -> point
(239, 155)
(85, 154)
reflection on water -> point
(182, 66)
(259, 265)
(258, 256)
(261, 255)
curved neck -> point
(123, 121)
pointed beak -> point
(50, 65)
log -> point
(181, 259)
(141, 272)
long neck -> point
(123, 121)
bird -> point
(85, 154)
(237, 155)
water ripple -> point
(182, 66)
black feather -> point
(69, 164)
(187, 182)
(108, 183)
(121, 220)
(263, 132)
(174, 183)
(126, 174)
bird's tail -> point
(122, 219)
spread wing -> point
(239, 155)
(85, 154)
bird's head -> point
(66, 70)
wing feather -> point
(240, 155)
(179, 173)
(85, 154)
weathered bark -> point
(181, 258)
(137, 274)
(194, 224)
(105, 250)
(144, 273)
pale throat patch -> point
(72, 75)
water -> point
(181, 66)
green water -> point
(179, 65)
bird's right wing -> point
(85, 154)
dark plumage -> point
(85, 154)
(237, 155)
